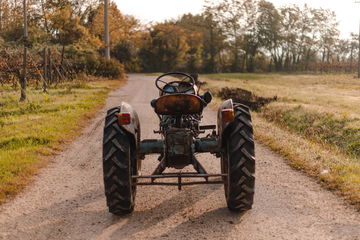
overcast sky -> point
(348, 13)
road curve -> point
(67, 199)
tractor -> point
(179, 108)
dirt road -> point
(67, 201)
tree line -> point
(72, 28)
(228, 36)
(250, 36)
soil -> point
(246, 97)
(66, 200)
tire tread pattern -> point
(119, 191)
(241, 157)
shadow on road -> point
(215, 220)
(82, 217)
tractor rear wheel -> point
(118, 166)
(238, 161)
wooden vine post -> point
(45, 70)
(50, 76)
(23, 78)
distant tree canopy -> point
(249, 36)
(228, 36)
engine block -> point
(178, 145)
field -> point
(32, 130)
(315, 123)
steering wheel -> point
(190, 81)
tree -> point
(106, 29)
(194, 32)
(325, 27)
(164, 48)
(251, 39)
(290, 23)
(354, 48)
(66, 28)
(23, 82)
(2, 8)
(230, 15)
(126, 51)
(121, 26)
(270, 38)
(205, 40)
(214, 44)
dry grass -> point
(328, 165)
(36, 129)
(333, 93)
(315, 123)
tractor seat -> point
(178, 104)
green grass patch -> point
(31, 131)
(156, 74)
(328, 165)
(343, 132)
(244, 76)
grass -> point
(315, 123)
(247, 76)
(340, 131)
(32, 131)
(334, 170)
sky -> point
(347, 11)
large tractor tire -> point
(238, 161)
(118, 166)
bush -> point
(90, 62)
(110, 68)
(83, 61)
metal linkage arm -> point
(157, 146)
(179, 177)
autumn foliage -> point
(228, 36)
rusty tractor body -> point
(179, 108)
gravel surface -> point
(67, 201)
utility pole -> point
(359, 53)
(23, 79)
(1, 14)
(106, 27)
(358, 47)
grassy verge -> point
(33, 130)
(315, 123)
(327, 164)
(328, 128)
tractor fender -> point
(222, 127)
(133, 129)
